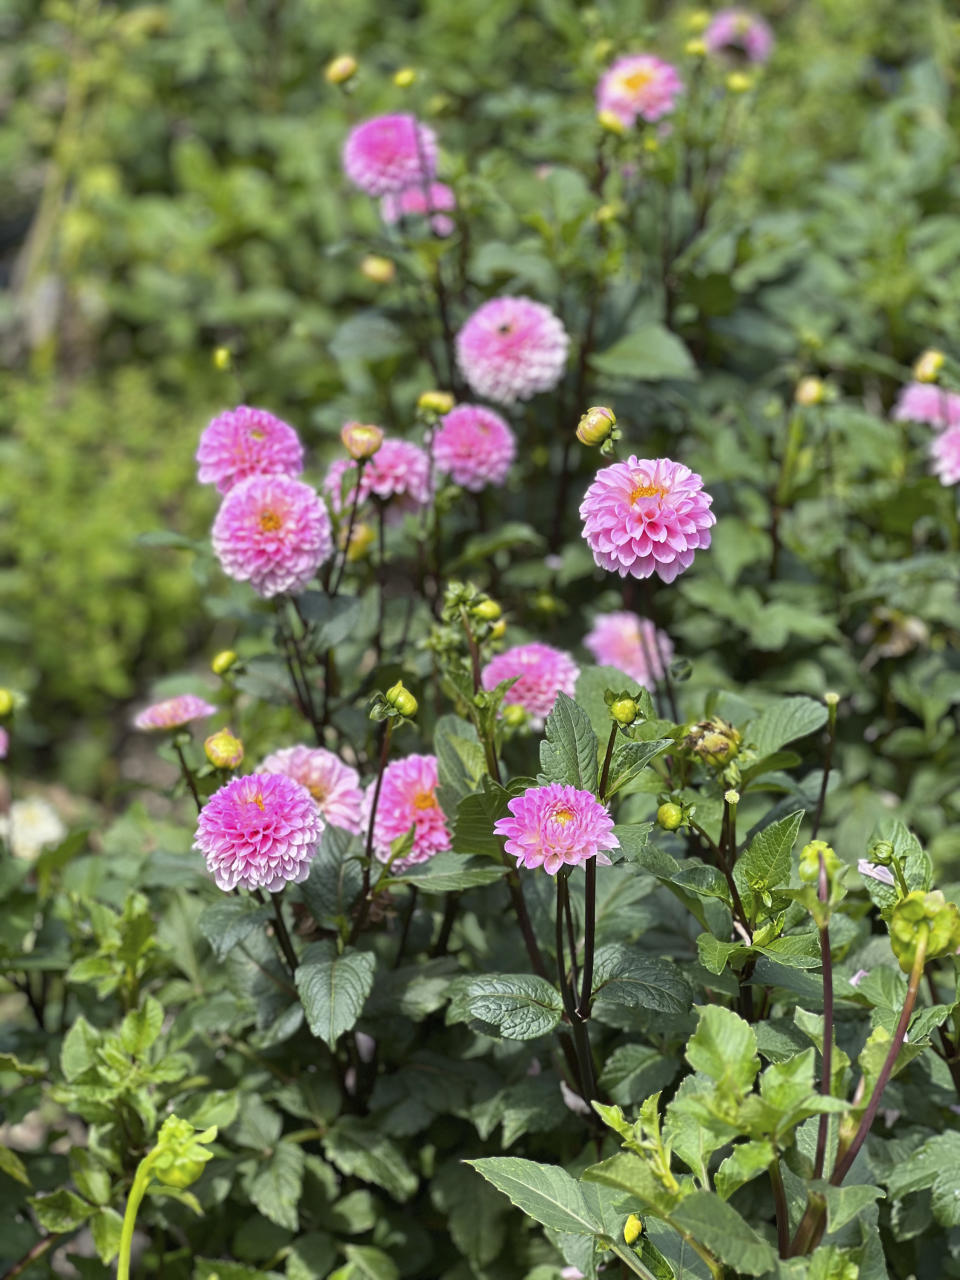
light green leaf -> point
(724, 1048)
(105, 1227)
(747, 1160)
(845, 1203)
(715, 954)
(141, 1027)
(630, 759)
(364, 1262)
(545, 1193)
(647, 354)
(766, 863)
(13, 1167)
(785, 721)
(79, 1049)
(333, 991)
(569, 752)
(460, 761)
(62, 1211)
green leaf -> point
(78, 1053)
(460, 761)
(625, 975)
(31, 1070)
(364, 1262)
(631, 758)
(105, 1227)
(141, 1027)
(766, 863)
(475, 1213)
(13, 1167)
(357, 1148)
(335, 876)
(448, 872)
(747, 1160)
(784, 722)
(62, 1211)
(724, 1048)
(473, 828)
(569, 753)
(276, 1186)
(725, 1233)
(333, 989)
(635, 1176)
(520, 1006)
(647, 354)
(845, 1203)
(337, 617)
(91, 1177)
(545, 1193)
(227, 923)
(310, 1256)
(634, 1071)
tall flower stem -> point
(581, 1038)
(590, 895)
(827, 763)
(364, 909)
(826, 1080)
(351, 521)
(381, 575)
(188, 775)
(283, 936)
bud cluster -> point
(942, 919)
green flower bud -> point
(714, 741)
(223, 750)
(632, 1229)
(499, 629)
(932, 909)
(810, 861)
(670, 816)
(624, 711)
(928, 366)
(486, 610)
(6, 702)
(361, 440)
(401, 699)
(514, 715)
(223, 661)
(341, 69)
(595, 425)
(882, 852)
(179, 1156)
(436, 401)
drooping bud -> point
(223, 749)
(931, 909)
(624, 711)
(401, 699)
(809, 391)
(611, 122)
(404, 78)
(6, 702)
(378, 270)
(341, 69)
(809, 870)
(596, 425)
(713, 741)
(361, 440)
(436, 401)
(223, 661)
(670, 816)
(928, 366)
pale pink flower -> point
(543, 673)
(389, 153)
(632, 644)
(945, 452)
(334, 785)
(398, 473)
(556, 826)
(413, 202)
(639, 85)
(876, 872)
(512, 348)
(926, 402)
(173, 713)
(260, 831)
(247, 442)
(4, 743)
(742, 31)
(474, 446)
(646, 516)
(408, 798)
(272, 532)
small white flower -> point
(31, 826)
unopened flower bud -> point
(436, 401)
(361, 440)
(223, 661)
(669, 816)
(222, 359)
(6, 702)
(809, 870)
(499, 629)
(611, 122)
(514, 715)
(379, 270)
(731, 796)
(714, 741)
(401, 699)
(595, 425)
(405, 77)
(831, 699)
(809, 391)
(607, 213)
(696, 48)
(739, 82)
(931, 909)
(624, 711)
(361, 540)
(698, 20)
(341, 69)
(223, 750)
(486, 610)
(881, 852)
(632, 1229)
(927, 368)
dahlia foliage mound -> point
(543, 867)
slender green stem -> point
(283, 937)
(141, 1181)
(827, 765)
(826, 1080)
(361, 917)
(581, 1039)
(188, 775)
(335, 585)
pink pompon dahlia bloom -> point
(646, 516)
(259, 831)
(334, 786)
(474, 446)
(557, 826)
(272, 532)
(173, 713)
(408, 798)
(926, 402)
(398, 473)
(632, 644)
(247, 442)
(511, 349)
(639, 85)
(389, 153)
(945, 452)
(740, 31)
(544, 672)
(415, 201)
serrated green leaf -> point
(357, 1148)
(845, 1203)
(61, 1211)
(766, 862)
(227, 923)
(13, 1167)
(141, 1027)
(569, 753)
(106, 1226)
(785, 721)
(724, 1047)
(333, 990)
(364, 1262)
(716, 1224)
(545, 1193)
(30, 1070)
(630, 759)
(747, 1160)
(519, 1006)
(276, 1185)
(650, 353)
(448, 872)
(625, 975)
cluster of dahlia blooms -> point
(474, 446)
(739, 31)
(639, 86)
(632, 645)
(542, 673)
(173, 713)
(395, 157)
(511, 349)
(398, 474)
(646, 516)
(557, 826)
(335, 787)
(408, 799)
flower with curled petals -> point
(398, 474)
(740, 31)
(543, 673)
(408, 798)
(437, 200)
(511, 349)
(260, 832)
(173, 713)
(557, 826)
(646, 516)
(639, 85)
(632, 645)
(389, 153)
(247, 442)
(334, 785)
(272, 532)
(474, 447)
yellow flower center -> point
(256, 434)
(646, 491)
(424, 800)
(269, 521)
(258, 801)
(319, 793)
(637, 80)
(563, 816)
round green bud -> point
(595, 425)
(882, 852)
(223, 749)
(401, 699)
(486, 610)
(6, 702)
(499, 629)
(223, 661)
(809, 871)
(514, 715)
(670, 816)
(624, 711)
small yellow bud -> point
(739, 82)
(436, 401)
(831, 699)
(651, 144)
(632, 1229)
(611, 122)
(607, 213)
(6, 702)
(222, 359)
(595, 425)
(698, 20)
(487, 610)
(809, 391)
(379, 270)
(927, 368)
(223, 661)
(341, 69)
(603, 49)
(624, 711)
(405, 77)
(223, 750)
(696, 48)
(401, 699)
(669, 816)
(361, 540)
(514, 715)
(731, 796)
(499, 629)
(361, 440)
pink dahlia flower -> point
(511, 349)
(646, 516)
(639, 85)
(557, 826)
(272, 532)
(544, 672)
(4, 744)
(945, 452)
(398, 473)
(259, 831)
(334, 785)
(247, 442)
(741, 31)
(390, 153)
(631, 644)
(408, 798)
(926, 402)
(474, 446)
(413, 202)
(173, 713)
